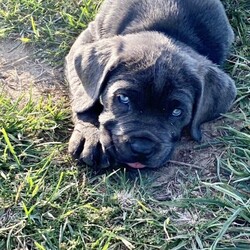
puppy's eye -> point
(177, 112)
(123, 99)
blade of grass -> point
(225, 228)
(10, 147)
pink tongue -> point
(136, 165)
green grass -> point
(48, 202)
(46, 24)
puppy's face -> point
(144, 113)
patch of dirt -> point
(22, 72)
(190, 161)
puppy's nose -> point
(143, 146)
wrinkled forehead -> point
(151, 88)
(161, 76)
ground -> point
(199, 200)
(22, 72)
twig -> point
(185, 164)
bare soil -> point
(21, 72)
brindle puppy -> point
(141, 72)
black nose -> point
(142, 146)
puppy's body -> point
(141, 72)
(201, 25)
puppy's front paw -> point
(84, 144)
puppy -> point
(141, 72)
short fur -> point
(139, 64)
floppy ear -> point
(87, 68)
(215, 96)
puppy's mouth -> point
(142, 161)
(136, 165)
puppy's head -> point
(150, 89)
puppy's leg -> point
(84, 143)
